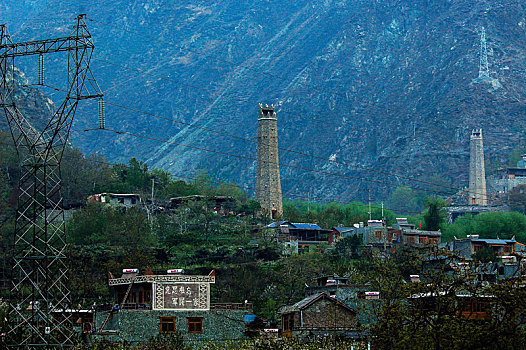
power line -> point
(302, 197)
(254, 159)
(281, 111)
(281, 148)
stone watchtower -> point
(268, 183)
(477, 174)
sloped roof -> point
(304, 303)
(494, 241)
(422, 233)
(343, 229)
(306, 226)
(278, 224)
(300, 225)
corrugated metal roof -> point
(494, 241)
(278, 224)
(343, 229)
(300, 225)
(306, 226)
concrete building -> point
(127, 200)
(477, 173)
(147, 305)
(268, 183)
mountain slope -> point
(383, 85)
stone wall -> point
(325, 313)
(136, 326)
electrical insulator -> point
(40, 70)
(102, 122)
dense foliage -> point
(249, 264)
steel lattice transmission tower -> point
(39, 293)
(483, 64)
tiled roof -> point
(422, 232)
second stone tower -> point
(477, 173)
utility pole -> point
(153, 187)
(384, 228)
(370, 211)
(39, 289)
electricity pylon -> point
(483, 64)
(40, 298)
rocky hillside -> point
(387, 85)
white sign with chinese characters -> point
(181, 296)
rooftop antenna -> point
(483, 65)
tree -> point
(349, 247)
(406, 200)
(435, 214)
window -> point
(378, 234)
(411, 239)
(288, 322)
(195, 325)
(167, 324)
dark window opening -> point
(288, 322)
(195, 325)
(167, 324)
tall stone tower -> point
(477, 174)
(268, 183)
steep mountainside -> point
(387, 85)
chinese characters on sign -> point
(181, 296)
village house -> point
(417, 238)
(127, 200)
(467, 247)
(339, 287)
(298, 238)
(147, 305)
(221, 205)
(338, 233)
(356, 296)
(318, 315)
(467, 306)
(377, 235)
(508, 178)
